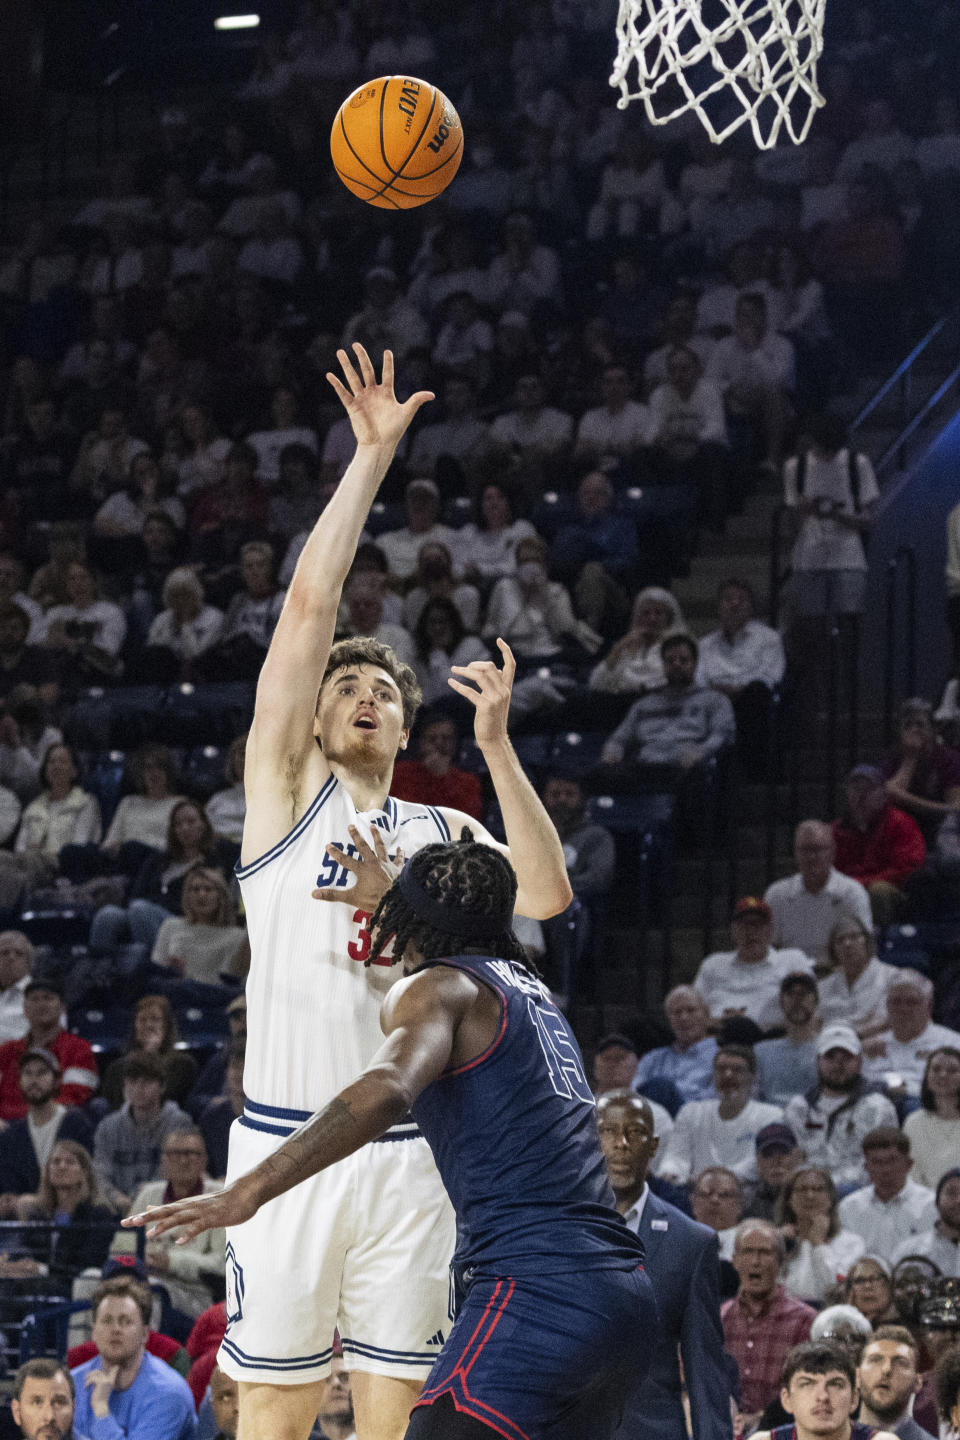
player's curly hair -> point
(464, 879)
(365, 650)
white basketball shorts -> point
(363, 1247)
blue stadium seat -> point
(632, 814)
(202, 770)
(533, 751)
(202, 1027)
(57, 928)
(124, 718)
(105, 1029)
(580, 748)
(383, 517)
(207, 714)
(103, 775)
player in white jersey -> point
(365, 1246)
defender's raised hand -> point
(489, 693)
(374, 411)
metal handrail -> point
(901, 371)
(904, 557)
(898, 446)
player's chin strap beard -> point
(453, 921)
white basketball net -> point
(760, 54)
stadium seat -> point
(580, 749)
(198, 715)
(202, 770)
(103, 775)
(58, 928)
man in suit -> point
(683, 1264)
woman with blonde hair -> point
(203, 942)
(153, 1032)
(633, 664)
(854, 990)
(69, 1195)
(819, 1251)
(185, 628)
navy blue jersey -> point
(514, 1135)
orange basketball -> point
(396, 142)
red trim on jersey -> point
(469, 1404)
(484, 1054)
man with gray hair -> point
(762, 1322)
(903, 1050)
(808, 904)
(16, 964)
(688, 1062)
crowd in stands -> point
(627, 331)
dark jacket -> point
(19, 1171)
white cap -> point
(839, 1037)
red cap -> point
(752, 905)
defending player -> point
(556, 1314)
(365, 1247)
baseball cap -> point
(48, 983)
(839, 1037)
(865, 772)
(607, 1042)
(775, 1137)
(37, 1052)
(125, 1265)
(752, 905)
(239, 1002)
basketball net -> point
(757, 58)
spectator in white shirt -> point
(855, 990)
(687, 433)
(402, 547)
(678, 332)
(893, 1207)
(184, 629)
(16, 966)
(123, 513)
(831, 1119)
(200, 458)
(249, 620)
(633, 664)
(632, 186)
(941, 1243)
(365, 611)
(434, 577)
(881, 145)
(488, 543)
(272, 252)
(721, 1131)
(755, 369)
(746, 980)
(227, 808)
(934, 1129)
(744, 659)
(617, 427)
(806, 906)
(459, 437)
(465, 341)
(87, 633)
(532, 612)
(387, 321)
(533, 429)
(285, 430)
(523, 273)
(819, 1250)
(904, 1048)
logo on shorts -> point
(235, 1287)
(436, 1339)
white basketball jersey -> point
(313, 1006)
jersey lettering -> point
(518, 979)
(359, 947)
(563, 1063)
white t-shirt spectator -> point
(751, 989)
(813, 1269)
(655, 365)
(226, 811)
(604, 433)
(544, 431)
(204, 949)
(13, 1022)
(137, 817)
(49, 824)
(255, 618)
(770, 365)
(822, 544)
(192, 637)
(269, 443)
(862, 1004)
(700, 1139)
(402, 547)
(492, 552)
(697, 420)
(803, 921)
(102, 624)
(885, 1224)
(908, 1058)
(755, 653)
(934, 1146)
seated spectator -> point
(721, 1131)
(464, 340)
(893, 1207)
(127, 1144)
(678, 333)
(186, 628)
(619, 427)
(934, 1129)
(86, 634)
(778, 1156)
(48, 585)
(201, 944)
(888, 1378)
(402, 547)
(754, 368)
(297, 500)
(27, 1144)
(16, 964)
(213, 1076)
(688, 1062)
(157, 888)
(806, 906)
(534, 430)
(365, 595)
(285, 430)
(62, 814)
(761, 1323)
(869, 1288)
(590, 857)
(137, 1394)
(450, 450)
(200, 452)
(335, 1417)
(442, 642)
(834, 1115)
(249, 621)
(434, 578)
(941, 1243)
(163, 1346)
(227, 808)
(634, 665)
(903, 1049)
(487, 544)
(854, 990)
(819, 1250)
(42, 1008)
(222, 518)
(687, 433)
(746, 980)
(141, 820)
(744, 660)
(433, 778)
(923, 775)
(680, 725)
(12, 592)
(881, 144)
(787, 1066)
(184, 1270)
(272, 252)
(22, 664)
(876, 843)
(104, 458)
(716, 1200)
(69, 1194)
(614, 1063)
(219, 1113)
(940, 1336)
(533, 613)
(124, 511)
(523, 273)
(387, 319)
(41, 1387)
(25, 738)
(153, 1031)
(594, 551)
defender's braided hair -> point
(461, 882)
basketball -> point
(396, 142)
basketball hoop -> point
(734, 63)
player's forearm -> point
(328, 554)
(535, 849)
(351, 1120)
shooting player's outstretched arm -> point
(420, 1020)
(284, 768)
